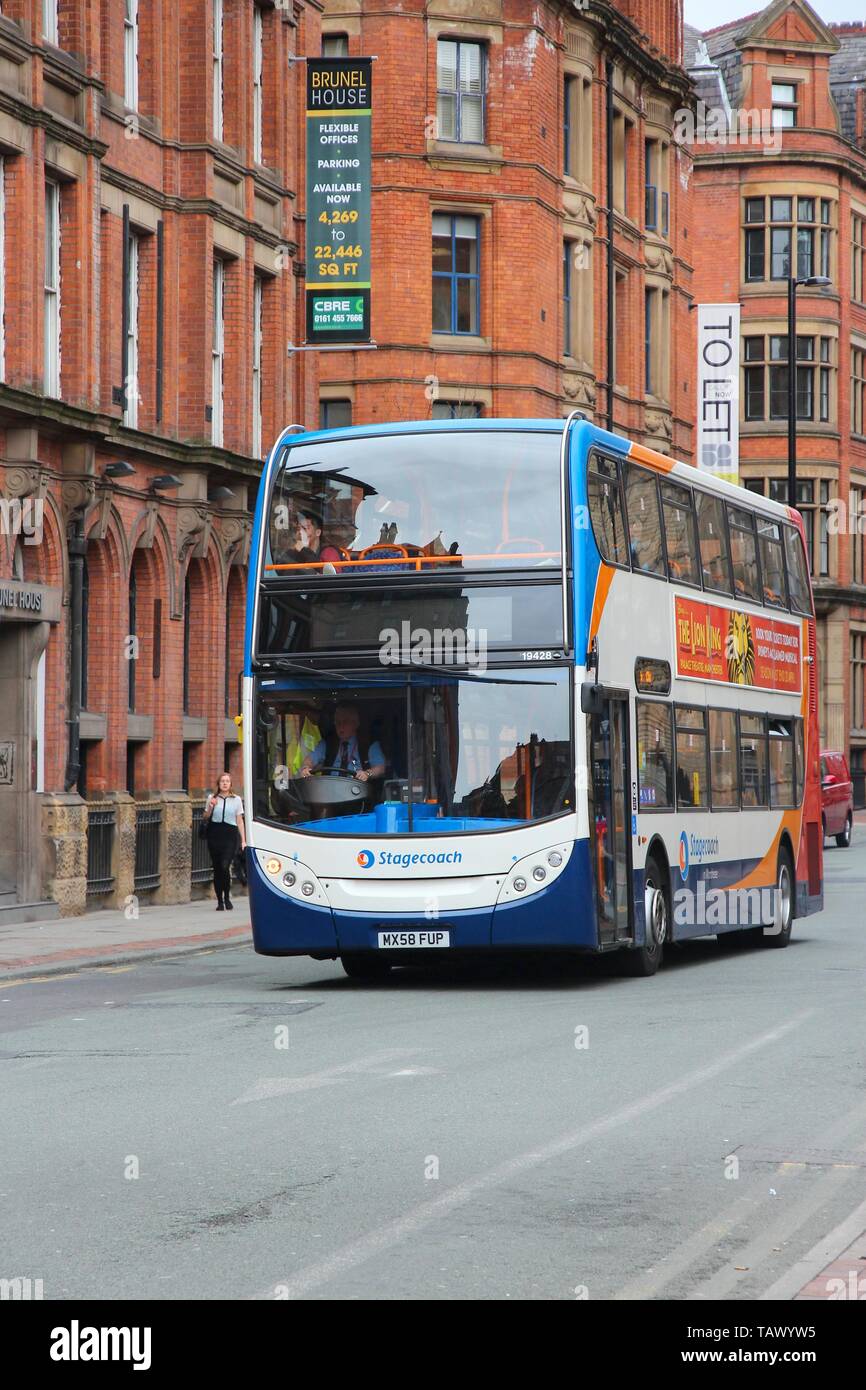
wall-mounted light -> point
(164, 482)
(120, 469)
(220, 494)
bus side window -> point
(724, 770)
(680, 534)
(772, 562)
(753, 759)
(606, 510)
(644, 520)
(744, 554)
(781, 763)
(692, 788)
(799, 762)
(655, 755)
(713, 539)
(798, 575)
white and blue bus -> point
(523, 685)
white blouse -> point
(226, 810)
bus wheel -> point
(783, 907)
(646, 959)
(844, 840)
(364, 965)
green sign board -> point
(339, 112)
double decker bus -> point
(523, 685)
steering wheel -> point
(323, 767)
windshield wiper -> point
(283, 663)
(430, 669)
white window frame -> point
(130, 289)
(258, 88)
(130, 55)
(50, 27)
(218, 351)
(258, 298)
(51, 293)
(218, 69)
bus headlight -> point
(289, 879)
(308, 889)
(528, 876)
(273, 866)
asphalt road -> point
(441, 1136)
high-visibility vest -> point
(302, 745)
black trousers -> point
(223, 842)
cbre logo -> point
(365, 858)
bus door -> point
(609, 816)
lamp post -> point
(824, 282)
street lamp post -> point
(823, 281)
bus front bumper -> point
(561, 915)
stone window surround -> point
(789, 189)
(806, 328)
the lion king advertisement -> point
(714, 643)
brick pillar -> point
(123, 850)
(175, 849)
(64, 833)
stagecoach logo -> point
(366, 858)
(684, 856)
(740, 650)
(697, 848)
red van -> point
(837, 797)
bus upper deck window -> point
(644, 521)
(712, 534)
(744, 554)
(680, 535)
(798, 575)
(772, 562)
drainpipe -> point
(608, 74)
(77, 547)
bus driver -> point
(344, 750)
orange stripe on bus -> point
(641, 454)
(602, 588)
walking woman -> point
(224, 814)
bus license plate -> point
(391, 940)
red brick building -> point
(781, 190)
(490, 228)
(149, 227)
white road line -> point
(365, 1247)
(818, 1257)
(709, 1236)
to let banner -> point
(339, 112)
(719, 390)
(714, 643)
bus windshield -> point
(471, 754)
(431, 502)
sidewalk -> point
(109, 938)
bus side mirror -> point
(592, 698)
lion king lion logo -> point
(740, 650)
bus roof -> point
(586, 431)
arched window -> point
(132, 637)
(228, 662)
(187, 633)
(85, 622)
